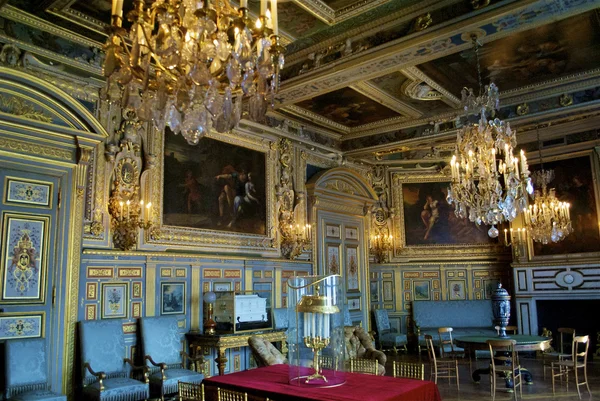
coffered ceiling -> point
(382, 79)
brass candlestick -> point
(316, 344)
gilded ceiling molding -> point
(318, 9)
(288, 125)
(567, 83)
(506, 20)
(381, 127)
(415, 74)
(385, 22)
(372, 91)
(316, 118)
(40, 51)
(17, 15)
(330, 16)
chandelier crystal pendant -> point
(547, 219)
(188, 64)
(489, 184)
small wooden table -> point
(222, 342)
(524, 343)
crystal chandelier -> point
(489, 183)
(547, 219)
(188, 63)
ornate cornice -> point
(372, 91)
(385, 22)
(35, 149)
(431, 44)
(417, 75)
(316, 118)
(17, 15)
(96, 71)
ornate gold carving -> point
(35, 149)
(477, 4)
(19, 107)
(124, 205)
(422, 22)
(340, 186)
(565, 100)
(290, 207)
(523, 109)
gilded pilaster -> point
(196, 299)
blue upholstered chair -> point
(162, 346)
(388, 337)
(26, 370)
(106, 373)
(280, 318)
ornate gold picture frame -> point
(425, 223)
(216, 238)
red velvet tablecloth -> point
(273, 382)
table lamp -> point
(209, 324)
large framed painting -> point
(574, 182)
(214, 195)
(24, 257)
(427, 224)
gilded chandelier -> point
(489, 184)
(547, 219)
(188, 63)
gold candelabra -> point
(380, 246)
(295, 239)
(517, 238)
(316, 344)
(127, 219)
(317, 309)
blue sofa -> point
(467, 318)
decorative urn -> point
(501, 309)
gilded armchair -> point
(26, 371)
(388, 337)
(163, 354)
(106, 373)
(360, 346)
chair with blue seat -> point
(26, 371)
(106, 372)
(164, 355)
(280, 318)
(389, 338)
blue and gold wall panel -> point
(135, 285)
(394, 287)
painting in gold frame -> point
(415, 223)
(574, 182)
(253, 236)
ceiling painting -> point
(297, 22)
(394, 84)
(348, 107)
(544, 53)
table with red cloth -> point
(273, 382)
